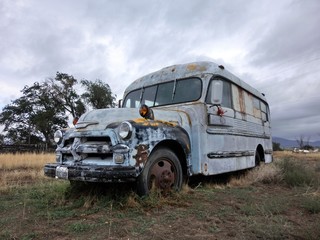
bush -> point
(295, 174)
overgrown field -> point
(275, 201)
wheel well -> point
(260, 151)
(175, 147)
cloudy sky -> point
(274, 45)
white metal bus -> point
(183, 120)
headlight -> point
(125, 130)
(58, 136)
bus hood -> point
(99, 119)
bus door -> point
(220, 121)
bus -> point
(181, 121)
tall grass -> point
(265, 173)
(298, 156)
(25, 160)
(21, 169)
(296, 174)
(288, 168)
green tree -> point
(1, 139)
(62, 90)
(98, 94)
(33, 117)
(276, 146)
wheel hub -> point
(163, 175)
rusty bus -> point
(183, 120)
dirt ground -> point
(209, 208)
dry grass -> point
(26, 160)
(298, 156)
(21, 169)
(266, 173)
(274, 173)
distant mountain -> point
(285, 143)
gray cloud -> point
(272, 45)
(291, 35)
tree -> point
(62, 90)
(33, 117)
(98, 94)
(276, 146)
(1, 139)
(302, 142)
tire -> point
(257, 159)
(162, 172)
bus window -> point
(256, 107)
(248, 101)
(226, 95)
(149, 95)
(264, 112)
(164, 94)
(187, 90)
(133, 99)
(236, 98)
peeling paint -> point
(141, 155)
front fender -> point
(149, 134)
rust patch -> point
(192, 67)
(196, 67)
(156, 123)
(242, 102)
(142, 154)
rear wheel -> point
(162, 171)
(257, 159)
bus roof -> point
(180, 71)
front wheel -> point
(162, 171)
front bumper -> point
(92, 173)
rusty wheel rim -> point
(162, 175)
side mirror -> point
(120, 103)
(216, 92)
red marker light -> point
(75, 120)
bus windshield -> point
(173, 92)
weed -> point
(274, 206)
(6, 235)
(317, 168)
(214, 229)
(249, 210)
(29, 236)
(276, 227)
(224, 211)
(265, 173)
(296, 174)
(80, 227)
(243, 194)
(145, 224)
(312, 231)
(311, 204)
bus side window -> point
(264, 112)
(248, 101)
(226, 95)
(256, 108)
